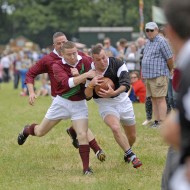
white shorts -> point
(62, 108)
(124, 111)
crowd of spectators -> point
(14, 66)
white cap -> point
(151, 25)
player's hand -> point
(106, 93)
(32, 98)
(96, 80)
(74, 72)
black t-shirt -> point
(115, 67)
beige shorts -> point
(157, 87)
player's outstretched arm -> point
(32, 95)
(82, 78)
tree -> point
(39, 19)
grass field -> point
(51, 162)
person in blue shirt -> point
(109, 49)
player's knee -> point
(115, 129)
(81, 135)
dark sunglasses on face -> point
(149, 30)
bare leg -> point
(90, 135)
(36, 130)
(81, 128)
(155, 109)
(159, 108)
(114, 124)
(45, 126)
(162, 108)
(130, 132)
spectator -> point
(132, 96)
(110, 50)
(132, 59)
(148, 110)
(140, 44)
(122, 48)
(170, 94)
(157, 63)
(140, 48)
(23, 68)
(6, 64)
(16, 65)
(45, 89)
(138, 86)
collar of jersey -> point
(78, 58)
(54, 51)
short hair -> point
(68, 45)
(177, 13)
(107, 39)
(97, 49)
(122, 41)
(57, 34)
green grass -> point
(51, 162)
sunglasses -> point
(149, 30)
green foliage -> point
(51, 162)
(34, 18)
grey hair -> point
(57, 34)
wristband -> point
(89, 86)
